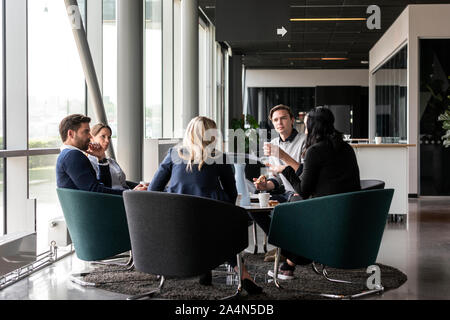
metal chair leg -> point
(109, 262)
(275, 268)
(325, 274)
(239, 288)
(265, 243)
(255, 238)
(378, 289)
(77, 278)
(150, 293)
(315, 268)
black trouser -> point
(263, 220)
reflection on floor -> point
(419, 247)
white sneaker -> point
(282, 274)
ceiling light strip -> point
(327, 19)
(317, 58)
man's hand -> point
(274, 151)
(260, 183)
(96, 150)
(141, 187)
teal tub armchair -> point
(341, 231)
(97, 225)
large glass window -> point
(110, 65)
(177, 58)
(57, 88)
(55, 78)
(2, 186)
(42, 182)
(153, 69)
(391, 97)
(2, 146)
(204, 108)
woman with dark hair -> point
(329, 167)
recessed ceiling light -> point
(334, 59)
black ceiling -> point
(312, 40)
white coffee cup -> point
(378, 140)
(263, 198)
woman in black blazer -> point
(329, 167)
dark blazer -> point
(215, 181)
(74, 171)
(326, 170)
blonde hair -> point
(195, 148)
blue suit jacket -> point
(74, 171)
(215, 181)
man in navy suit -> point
(73, 168)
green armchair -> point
(341, 231)
(97, 225)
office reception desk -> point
(387, 162)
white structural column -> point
(130, 86)
(20, 216)
(190, 51)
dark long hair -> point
(320, 125)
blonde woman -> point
(194, 168)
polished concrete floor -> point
(419, 247)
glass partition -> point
(434, 101)
(391, 97)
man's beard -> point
(82, 145)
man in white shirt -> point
(287, 147)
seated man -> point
(73, 168)
(287, 147)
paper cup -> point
(264, 199)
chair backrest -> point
(340, 231)
(183, 235)
(372, 184)
(97, 223)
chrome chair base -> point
(324, 273)
(77, 278)
(158, 290)
(149, 293)
(110, 262)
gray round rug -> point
(306, 285)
